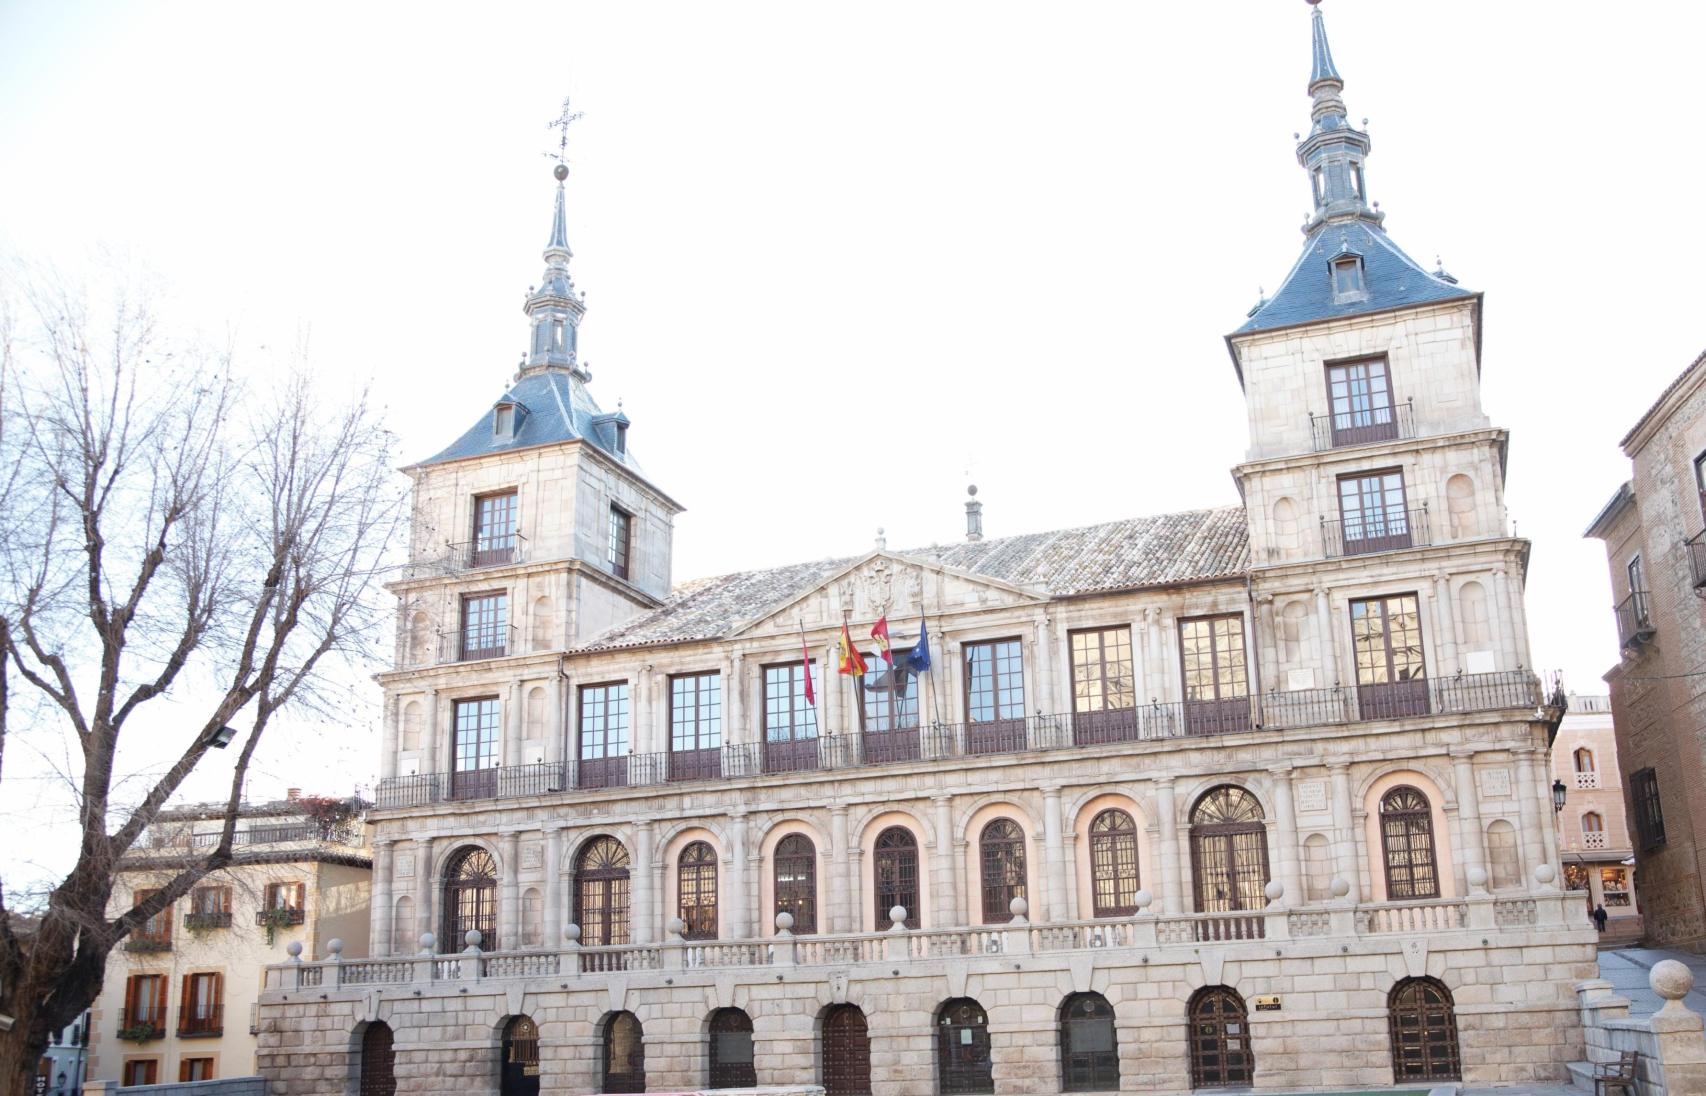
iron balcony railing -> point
(473, 643)
(281, 915)
(1634, 619)
(492, 551)
(209, 1023)
(1375, 531)
(142, 1024)
(1365, 427)
(1696, 546)
(1275, 711)
(213, 920)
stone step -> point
(1581, 1076)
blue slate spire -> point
(556, 307)
(1324, 69)
(559, 226)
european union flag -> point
(918, 659)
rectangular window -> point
(1359, 398)
(995, 696)
(1649, 815)
(158, 928)
(1614, 884)
(201, 1012)
(144, 1002)
(141, 1071)
(790, 720)
(1372, 517)
(695, 726)
(1217, 691)
(210, 908)
(621, 541)
(289, 897)
(1386, 638)
(195, 1069)
(474, 750)
(1104, 686)
(494, 529)
(1700, 482)
(485, 626)
(890, 700)
(603, 749)
(1347, 277)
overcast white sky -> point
(838, 256)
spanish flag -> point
(880, 633)
(852, 662)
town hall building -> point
(1243, 796)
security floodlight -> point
(222, 737)
(1558, 791)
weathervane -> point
(561, 124)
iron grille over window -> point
(1001, 850)
(1113, 865)
(697, 882)
(962, 1049)
(601, 892)
(624, 1054)
(731, 1050)
(1089, 1053)
(1649, 815)
(1220, 1039)
(470, 900)
(796, 881)
(1229, 851)
(894, 869)
(520, 1059)
(1424, 1032)
(1407, 840)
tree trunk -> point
(22, 1047)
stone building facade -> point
(178, 1002)
(1157, 804)
(1593, 829)
(1656, 547)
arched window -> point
(1220, 1039)
(1424, 1032)
(894, 869)
(601, 892)
(520, 1060)
(1229, 851)
(1593, 822)
(795, 881)
(731, 1050)
(1407, 842)
(378, 1061)
(1089, 1054)
(846, 1052)
(697, 879)
(1001, 849)
(962, 1049)
(624, 1065)
(1584, 761)
(470, 899)
(1113, 865)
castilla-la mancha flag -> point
(852, 662)
(806, 661)
(880, 633)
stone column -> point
(551, 929)
(388, 740)
(1541, 786)
(643, 916)
(1154, 663)
(1054, 859)
(1344, 836)
(423, 893)
(1329, 638)
(1471, 846)
(1285, 836)
(855, 880)
(1168, 823)
(1533, 844)
(1041, 696)
(738, 907)
(381, 917)
(945, 900)
(509, 896)
(1445, 633)
(840, 912)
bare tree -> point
(167, 532)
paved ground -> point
(1524, 1090)
(1627, 968)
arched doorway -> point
(846, 1052)
(624, 1054)
(731, 1063)
(601, 892)
(470, 899)
(1229, 851)
(962, 1049)
(1089, 1055)
(1220, 1039)
(378, 1061)
(519, 1065)
(1424, 1032)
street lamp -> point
(1558, 791)
(222, 737)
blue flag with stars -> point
(918, 659)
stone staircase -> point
(1641, 1003)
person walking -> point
(1599, 918)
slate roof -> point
(559, 408)
(1135, 552)
(1393, 279)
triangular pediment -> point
(889, 584)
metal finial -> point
(561, 124)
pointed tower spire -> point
(556, 307)
(1333, 152)
(1324, 69)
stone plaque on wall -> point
(404, 866)
(1311, 796)
(532, 856)
(1495, 783)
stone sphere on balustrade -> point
(472, 938)
(294, 949)
(1670, 979)
(897, 916)
(1143, 899)
(1476, 877)
(784, 921)
(427, 941)
(1275, 890)
(335, 947)
(1545, 873)
(1018, 907)
(676, 926)
(572, 933)
(1341, 886)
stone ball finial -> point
(572, 933)
(1340, 886)
(561, 171)
(784, 921)
(294, 948)
(335, 946)
(472, 938)
(1671, 980)
(1018, 907)
(1144, 898)
(897, 917)
(427, 941)
(1275, 890)
(1544, 874)
(972, 490)
(1476, 877)
(676, 926)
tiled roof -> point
(1153, 551)
(559, 408)
(1663, 396)
(1393, 279)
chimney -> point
(974, 516)
(292, 794)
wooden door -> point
(846, 1052)
(1424, 1032)
(378, 1062)
(1220, 1039)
